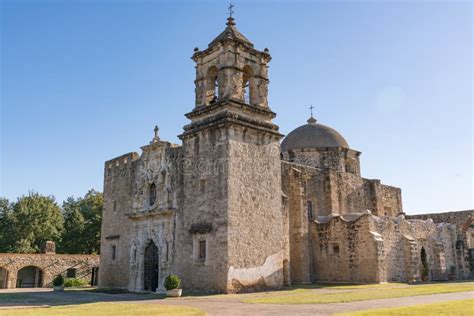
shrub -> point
(58, 280)
(74, 282)
(172, 282)
(425, 271)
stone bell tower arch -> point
(231, 63)
(230, 230)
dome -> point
(313, 135)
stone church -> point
(239, 207)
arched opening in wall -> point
(95, 276)
(151, 273)
(424, 264)
(247, 84)
(152, 194)
(291, 156)
(3, 278)
(351, 165)
(212, 85)
(29, 276)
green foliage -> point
(58, 280)
(172, 282)
(74, 282)
(5, 228)
(25, 225)
(82, 220)
(28, 223)
(425, 271)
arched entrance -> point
(151, 267)
(424, 265)
(29, 276)
(3, 278)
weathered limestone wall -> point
(203, 215)
(50, 265)
(462, 220)
(115, 232)
(345, 250)
(256, 233)
(293, 185)
(437, 240)
(367, 248)
(338, 159)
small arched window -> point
(351, 166)
(247, 84)
(152, 194)
(212, 85)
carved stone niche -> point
(201, 228)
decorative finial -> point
(230, 19)
(156, 138)
(311, 120)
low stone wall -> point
(367, 248)
(464, 234)
(48, 265)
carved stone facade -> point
(231, 210)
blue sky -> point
(85, 81)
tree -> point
(30, 222)
(5, 227)
(82, 220)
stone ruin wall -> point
(403, 240)
(375, 249)
(50, 265)
(464, 254)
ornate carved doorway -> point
(151, 267)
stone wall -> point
(462, 221)
(116, 226)
(50, 266)
(203, 214)
(293, 185)
(368, 248)
(256, 223)
(345, 250)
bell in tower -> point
(231, 68)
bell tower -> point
(230, 228)
(231, 68)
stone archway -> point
(3, 278)
(29, 276)
(151, 274)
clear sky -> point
(85, 81)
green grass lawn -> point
(359, 293)
(112, 309)
(453, 308)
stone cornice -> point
(233, 103)
(228, 118)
